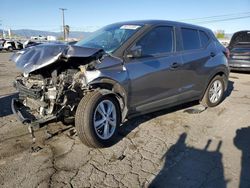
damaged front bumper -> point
(26, 117)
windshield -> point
(109, 38)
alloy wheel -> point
(215, 91)
(105, 119)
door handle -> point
(175, 65)
(212, 54)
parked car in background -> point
(1, 44)
(224, 42)
(40, 37)
(239, 48)
(121, 71)
(10, 45)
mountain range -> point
(27, 33)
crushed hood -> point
(37, 57)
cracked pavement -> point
(169, 148)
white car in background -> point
(38, 38)
(224, 42)
(10, 45)
(1, 44)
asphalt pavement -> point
(171, 148)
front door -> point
(154, 78)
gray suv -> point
(123, 70)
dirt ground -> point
(170, 148)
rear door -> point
(154, 78)
(197, 51)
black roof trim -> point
(159, 22)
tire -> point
(210, 99)
(88, 114)
(10, 49)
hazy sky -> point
(88, 15)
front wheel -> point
(97, 119)
(10, 49)
(214, 92)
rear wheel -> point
(97, 119)
(214, 92)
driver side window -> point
(158, 40)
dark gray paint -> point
(152, 83)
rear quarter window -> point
(204, 39)
(190, 38)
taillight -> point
(227, 53)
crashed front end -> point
(53, 81)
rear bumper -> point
(25, 116)
(243, 65)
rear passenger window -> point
(190, 39)
(204, 39)
(158, 40)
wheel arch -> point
(218, 73)
(109, 86)
(223, 75)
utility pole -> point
(64, 35)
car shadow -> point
(187, 166)
(5, 104)
(131, 124)
(240, 71)
(242, 142)
(230, 88)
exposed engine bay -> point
(53, 80)
(58, 92)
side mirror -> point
(135, 52)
